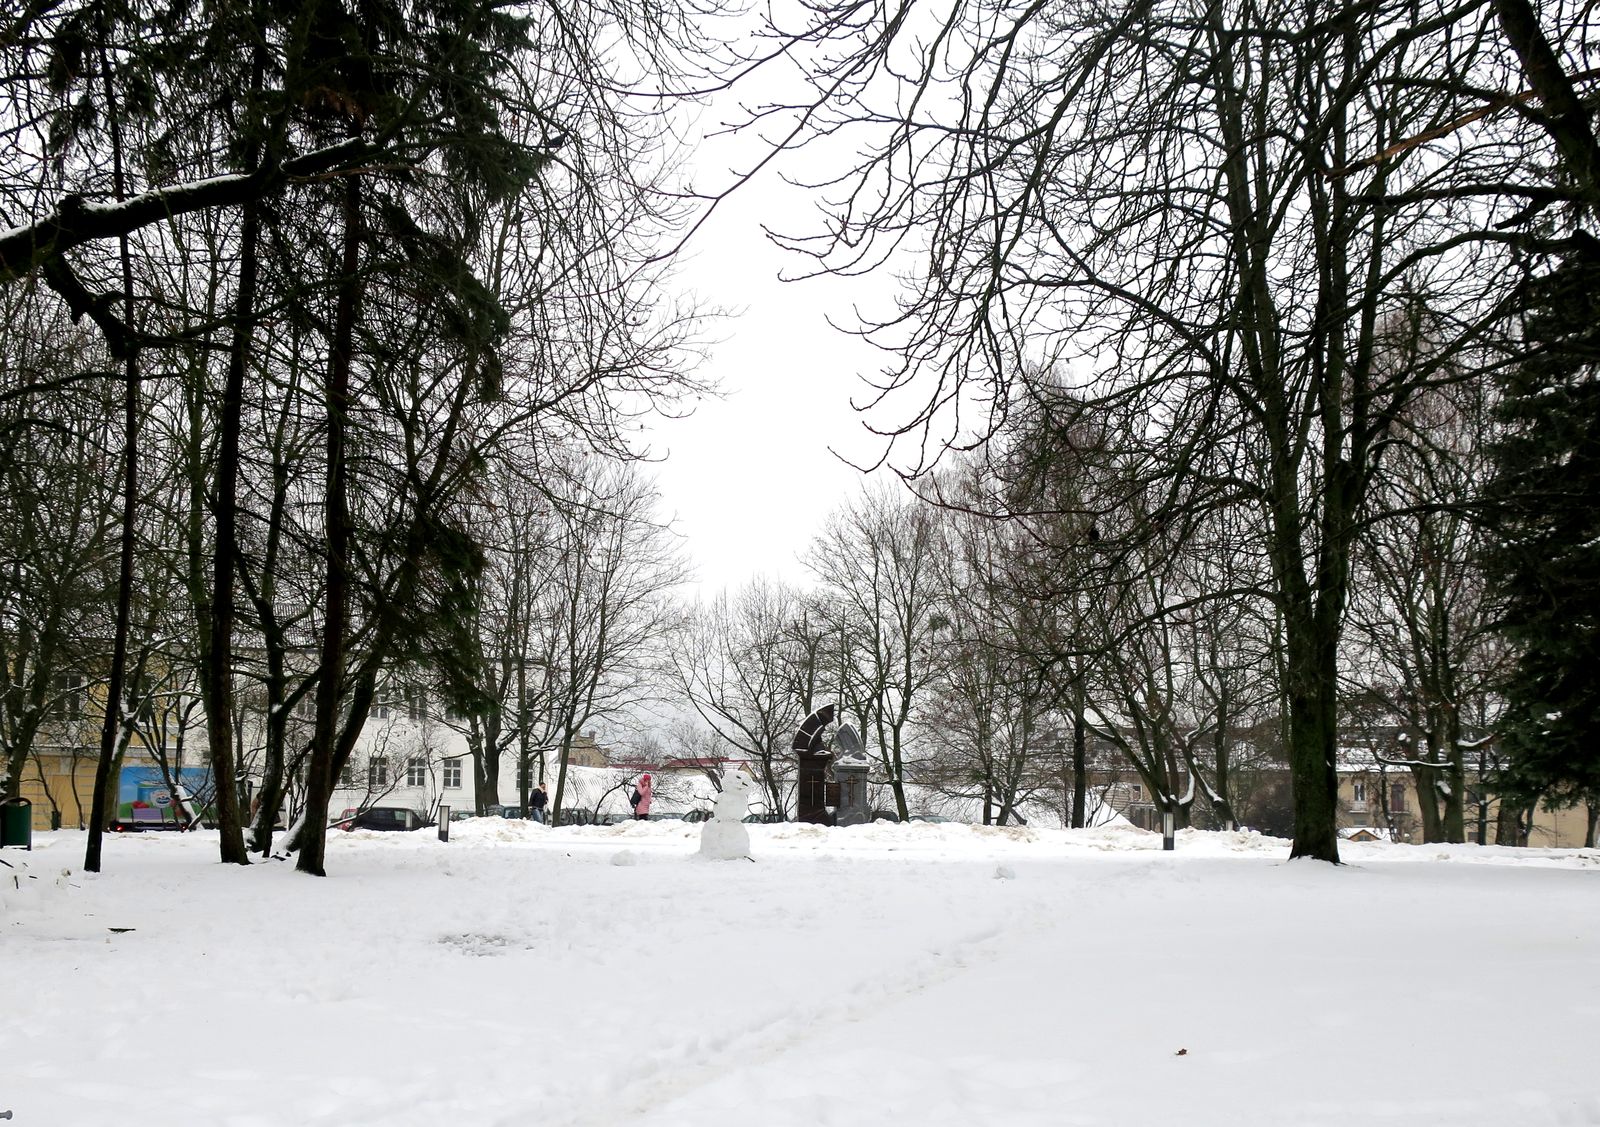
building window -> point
(306, 706)
(524, 775)
(416, 703)
(68, 703)
(1136, 792)
(1358, 795)
(377, 771)
(347, 774)
(452, 774)
(416, 772)
(386, 700)
(1397, 798)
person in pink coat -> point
(641, 798)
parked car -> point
(930, 818)
(382, 818)
(697, 816)
(771, 817)
(502, 811)
(885, 816)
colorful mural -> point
(143, 797)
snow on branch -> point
(76, 221)
(1387, 762)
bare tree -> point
(875, 558)
(57, 510)
(458, 217)
(1201, 208)
(994, 720)
(1422, 620)
(603, 605)
(735, 663)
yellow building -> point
(59, 782)
(58, 774)
(1383, 799)
(585, 752)
(1377, 801)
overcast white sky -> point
(749, 478)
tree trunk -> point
(771, 777)
(1566, 118)
(1080, 762)
(1426, 779)
(321, 773)
(1313, 745)
(557, 803)
(524, 751)
(483, 743)
(219, 667)
(1508, 824)
(115, 722)
(1222, 805)
(275, 767)
(264, 818)
(1455, 779)
(269, 799)
(362, 692)
(897, 779)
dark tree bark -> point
(71, 225)
(117, 722)
(1222, 805)
(323, 770)
(1313, 694)
(1080, 757)
(1567, 119)
(1510, 824)
(218, 673)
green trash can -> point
(16, 823)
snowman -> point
(725, 838)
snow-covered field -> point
(922, 974)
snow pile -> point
(497, 831)
(29, 887)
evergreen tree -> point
(1546, 565)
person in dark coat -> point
(539, 800)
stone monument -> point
(850, 772)
(810, 748)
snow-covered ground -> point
(923, 974)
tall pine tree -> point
(1546, 564)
